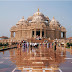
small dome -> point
(54, 22)
(62, 27)
(29, 18)
(21, 21)
(13, 27)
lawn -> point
(67, 47)
(2, 47)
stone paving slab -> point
(38, 59)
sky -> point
(12, 11)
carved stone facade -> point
(37, 25)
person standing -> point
(24, 45)
(55, 46)
(31, 45)
(50, 45)
(19, 45)
(27, 45)
(47, 45)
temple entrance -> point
(42, 33)
(32, 33)
(62, 34)
(14, 34)
(38, 33)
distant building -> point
(38, 25)
(70, 39)
(3, 37)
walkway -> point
(39, 59)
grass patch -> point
(5, 47)
(67, 47)
(2, 47)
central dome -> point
(38, 13)
(37, 18)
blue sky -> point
(12, 11)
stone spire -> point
(23, 17)
(53, 17)
(38, 9)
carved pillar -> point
(40, 33)
(19, 34)
(30, 33)
(34, 33)
(44, 32)
(60, 35)
(15, 34)
(12, 34)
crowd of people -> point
(26, 44)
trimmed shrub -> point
(1, 44)
(69, 44)
(4, 44)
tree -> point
(68, 44)
(1, 44)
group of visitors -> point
(50, 45)
(26, 44)
(38, 37)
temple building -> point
(38, 25)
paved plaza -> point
(41, 59)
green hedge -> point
(69, 44)
(4, 44)
(1, 44)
